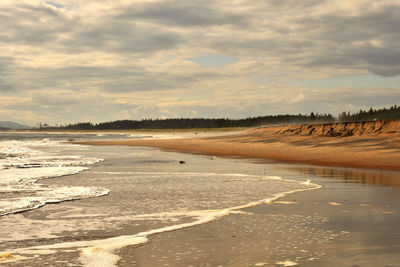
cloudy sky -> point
(66, 61)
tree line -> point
(372, 114)
(188, 123)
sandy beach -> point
(371, 145)
(348, 218)
(353, 202)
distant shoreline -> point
(190, 130)
(370, 145)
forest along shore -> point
(372, 145)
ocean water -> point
(24, 162)
(72, 205)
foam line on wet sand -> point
(101, 252)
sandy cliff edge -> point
(386, 127)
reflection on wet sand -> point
(375, 177)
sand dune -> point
(374, 145)
(391, 127)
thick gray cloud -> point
(41, 25)
(6, 83)
(120, 37)
(115, 79)
(369, 40)
(184, 13)
(22, 24)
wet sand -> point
(343, 224)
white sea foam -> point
(40, 195)
(16, 177)
(287, 263)
(25, 162)
(156, 136)
(101, 252)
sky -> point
(68, 61)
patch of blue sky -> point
(213, 60)
(352, 81)
(54, 4)
(261, 80)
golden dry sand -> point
(373, 145)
